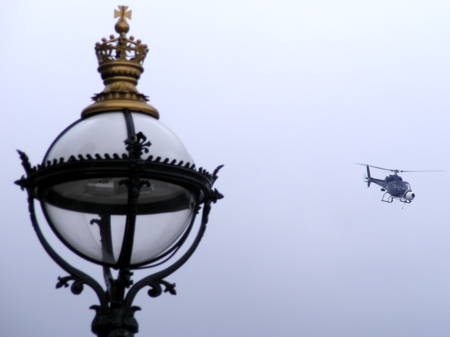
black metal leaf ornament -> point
(138, 144)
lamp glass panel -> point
(157, 232)
(164, 142)
(83, 234)
(110, 196)
(105, 134)
(164, 210)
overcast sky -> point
(288, 95)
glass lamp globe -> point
(90, 215)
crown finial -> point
(120, 62)
(122, 13)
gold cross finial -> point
(123, 13)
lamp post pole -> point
(119, 189)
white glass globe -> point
(106, 132)
(88, 215)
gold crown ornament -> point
(120, 62)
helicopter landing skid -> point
(387, 198)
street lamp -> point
(119, 189)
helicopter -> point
(393, 186)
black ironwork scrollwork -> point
(137, 144)
(76, 275)
(115, 314)
(76, 287)
(25, 161)
(156, 288)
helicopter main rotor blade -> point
(378, 167)
(401, 171)
(398, 171)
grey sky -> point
(288, 95)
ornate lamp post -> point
(119, 189)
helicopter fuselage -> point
(397, 188)
(393, 186)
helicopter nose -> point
(410, 196)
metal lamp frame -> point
(115, 311)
